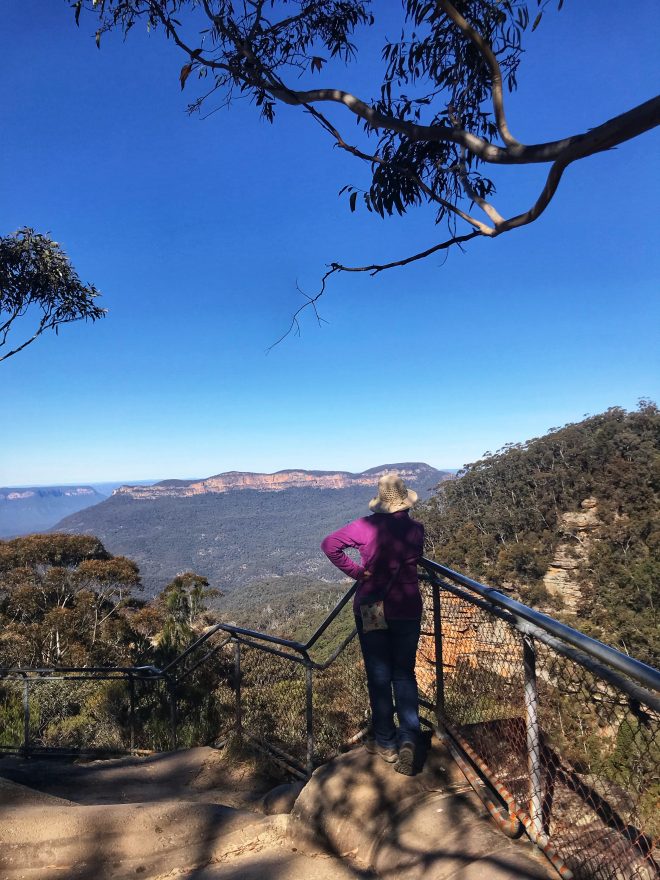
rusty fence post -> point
(533, 735)
(238, 723)
(439, 670)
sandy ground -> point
(202, 775)
(195, 815)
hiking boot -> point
(387, 753)
(406, 760)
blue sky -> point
(197, 231)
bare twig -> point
(376, 268)
(294, 326)
(372, 269)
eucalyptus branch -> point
(489, 210)
(36, 275)
(544, 199)
(379, 160)
(493, 65)
(603, 137)
(195, 55)
(376, 268)
(465, 52)
(45, 324)
(4, 328)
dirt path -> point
(202, 775)
(194, 815)
(186, 815)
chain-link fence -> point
(302, 703)
(79, 712)
(273, 703)
(567, 741)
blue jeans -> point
(389, 659)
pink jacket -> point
(386, 542)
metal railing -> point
(563, 729)
(557, 731)
(275, 693)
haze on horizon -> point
(196, 232)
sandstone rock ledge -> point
(428, 827)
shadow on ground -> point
(167, 816)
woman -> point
(388, 612)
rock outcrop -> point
(427, 827)
(577, 530)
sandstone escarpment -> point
(286, 479)
(46, 492)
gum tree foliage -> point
(183, 602)
(66, 601)
(435, 133)
(502, 521)
(39, 290)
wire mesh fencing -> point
(12, 715)
(341, 704)
(81, 712)
(302, 703)
(272, 702)
(572, 743)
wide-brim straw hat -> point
(393, 495)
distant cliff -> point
(238, 528)
(37, 508)
(412, 473)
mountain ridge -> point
(25, 509)
(235, 531)
(281, 480)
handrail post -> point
(439, 668)
(309, 713)
(173, 720)
(238, 726)
(533, 735)
(131, 710)
(26, 716)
